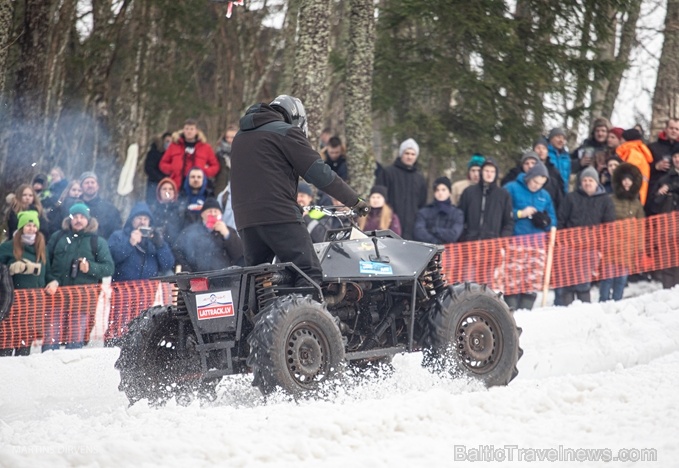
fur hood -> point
(622, 171)
(92, 226)
(178, 134)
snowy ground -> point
(593, 376)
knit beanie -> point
(538, 170)
(88, 175)
(475, 161)
(442, 180)
(631, 134)
(303, 187)
(409, 144)
(26, 217)
(556, 132)
(601, 122)
(210, 203)
(617, 131)
(589, 171)
(529, 155)
(80, 208)
(541, 141)
(381, 189)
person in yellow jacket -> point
(635, 152)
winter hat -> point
(617, 131)
(381, 189)
(80, 208)
(631, 134)
(305, 188)
(409, 144)
(529, 155)
(556, 132)
(475, 161)
(589, 171)
(541, 141)
(442, 180)
(601, 122)
(40, 179)
(614, 157)
(162, 182)
(210, 203)
(26, 217)
(88, 175)
(538, 170)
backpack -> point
(6, 292)
(94, 244)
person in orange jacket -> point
(635, 152)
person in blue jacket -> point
(532, 205)
(533, 212)
(138, 251)
(440, 222)
(559, 155)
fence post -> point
(548, 265)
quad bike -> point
(380, 296)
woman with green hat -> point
(26, 256)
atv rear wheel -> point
(152, 364)
(472, 332)
(296, 346)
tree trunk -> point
(359, 93)
(6, 14)
(666, 94)
(311, 62)
(604, 96)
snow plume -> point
(73, 140)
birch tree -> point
(666, 94)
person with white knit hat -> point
(406, 186)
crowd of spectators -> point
(61, 231)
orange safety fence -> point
(511, 265)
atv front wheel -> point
(153, 364)
(472, 332)
(296, 346)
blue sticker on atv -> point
(375, 268)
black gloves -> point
(541, 220)
(157, 237)
(361, 208)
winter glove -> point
(541, 220)
(32, 268)
(17, 268)
(361, 208)
(157, 238)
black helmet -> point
(292, 110)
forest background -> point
(82, 80)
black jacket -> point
(107, 215)
(487, 212)
(152, 161)
(439, 223)
(406, 193)
(198, 249)
(658, 204)
(267, 158)
(579, 209)
(339, 167)
(659, 149)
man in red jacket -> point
(188, 149)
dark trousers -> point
(290, 242)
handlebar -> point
(333, 211)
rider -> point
(268, 155)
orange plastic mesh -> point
(512, 265)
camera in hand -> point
(146, 231)
(75, 267)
